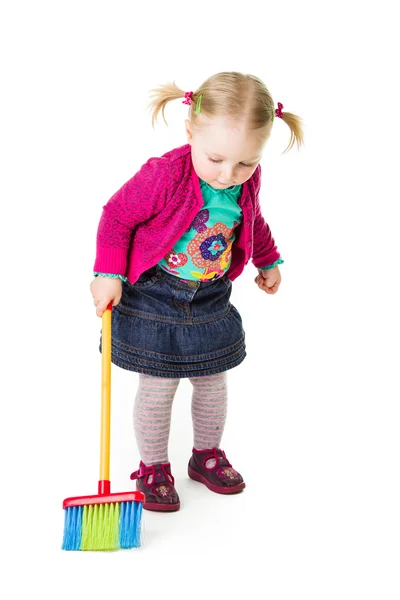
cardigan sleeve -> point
(280, 261)
(140, 198)
(265, 251)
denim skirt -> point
(170, 327)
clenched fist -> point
(105, 290)
(269, 280)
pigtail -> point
(296, 130)
(159, 98)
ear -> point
(188, 128)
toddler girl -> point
(169, 244)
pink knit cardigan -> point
(143, 220)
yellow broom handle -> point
(105, 395)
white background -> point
(313, 419)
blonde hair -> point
(228, 94)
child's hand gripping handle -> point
(104, 483)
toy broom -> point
(104, 521)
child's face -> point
(224, 151)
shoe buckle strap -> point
(143, 471)
(220, 457)
(168, 476)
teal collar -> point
(233, 190)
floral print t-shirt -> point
(203, 252)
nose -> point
(227, 175)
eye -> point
(244, 165)
(214, 161)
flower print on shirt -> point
(199, 221)
(175, 260)
(204, 251)
(211, 250)
(226, 257)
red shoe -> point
(221, 478)
(157, 484)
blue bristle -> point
(72, 528)
(130, 525)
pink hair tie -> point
(188, 98)
(278, 111)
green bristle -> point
(100, 527)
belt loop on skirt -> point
(187, 295)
